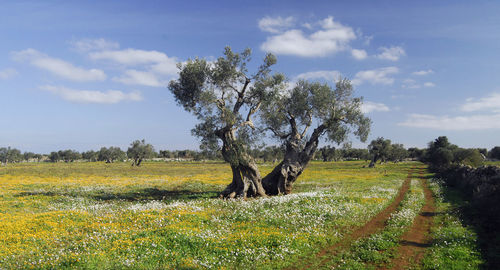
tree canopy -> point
(8, 154)
(380, 149)
(234, 106)
(139, 150)
(111, 154)
(441, 154)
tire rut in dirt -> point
(374, 225)
(417, 239)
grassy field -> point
(165, 215)
(493, 163)
(455, 244)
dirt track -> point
(414, 242)
(375, 224)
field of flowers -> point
(166, 215)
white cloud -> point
(329, 75)
(423, 72)
(473, 122)
(133, 57)
(157, 66)
(275, 25)
(308, 26)
(168, 67)
(359, 54)
(59, 67)
(375, 76)
(368, 107)
(90, 96)
(139, 78)
(86, 45)
(332, 38)
(410, 83)
(392, 53)
(7, 73)
(489, 103)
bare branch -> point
(312, 143)
(309, 123)
(278, 134)
(241, 95)
(250, 113)
(293, 125)
(233, 88)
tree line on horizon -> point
(379, 150)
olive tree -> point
(139, 150)
(440, 153)
(233, 106)
(328, 153)
(301, 116)
(90, 155)
(397, 152)
(380, 149)
(8, 154)
(224, 96)
(494, 152)
(111, 154)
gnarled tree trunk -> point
(247, 181)
(280, 180)
(374, 161)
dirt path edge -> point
(372, 226)
(417, 239)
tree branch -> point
(312, 143)
(250, 113)
(309, 123)
(293, 125)
(241, 95)
(278, 134)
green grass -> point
(493, 163)
(163, 215)
(454, 244)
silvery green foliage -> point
(223, 93)
(139, 150)
(290, 113)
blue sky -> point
(82, 75)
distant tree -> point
(38, 157)
(10, 155)
(494, 152)
(416, 153)
(69, 155)
(327, 153)
(397, 153)
(54, 156)
(139, 150)
(379, 150)
(90, 155)
(111, 154)
(440, 153)
(347, 152)
(359, 154)
(28, 156)
(471, 157)
(166, 154)
(271, 153)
